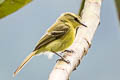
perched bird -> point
(57, 38)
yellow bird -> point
(57, 38)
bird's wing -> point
(54, 33)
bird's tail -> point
(24, 62)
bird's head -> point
(72, 18)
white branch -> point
(91, 18)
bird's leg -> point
(62, 58)
(69, 51)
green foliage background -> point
(117, 2)
(9, 6)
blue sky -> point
(20, 32)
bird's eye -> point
(76, 19)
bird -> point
(57, 38)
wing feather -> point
(53, 33)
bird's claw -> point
(67, 61)
(70, 51)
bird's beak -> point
(83, 24)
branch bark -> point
(90, 17)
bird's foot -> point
(67, 61)
(62, 58)
(69, 51)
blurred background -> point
(20, 32)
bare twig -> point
(90, 17)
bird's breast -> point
(68, 39)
